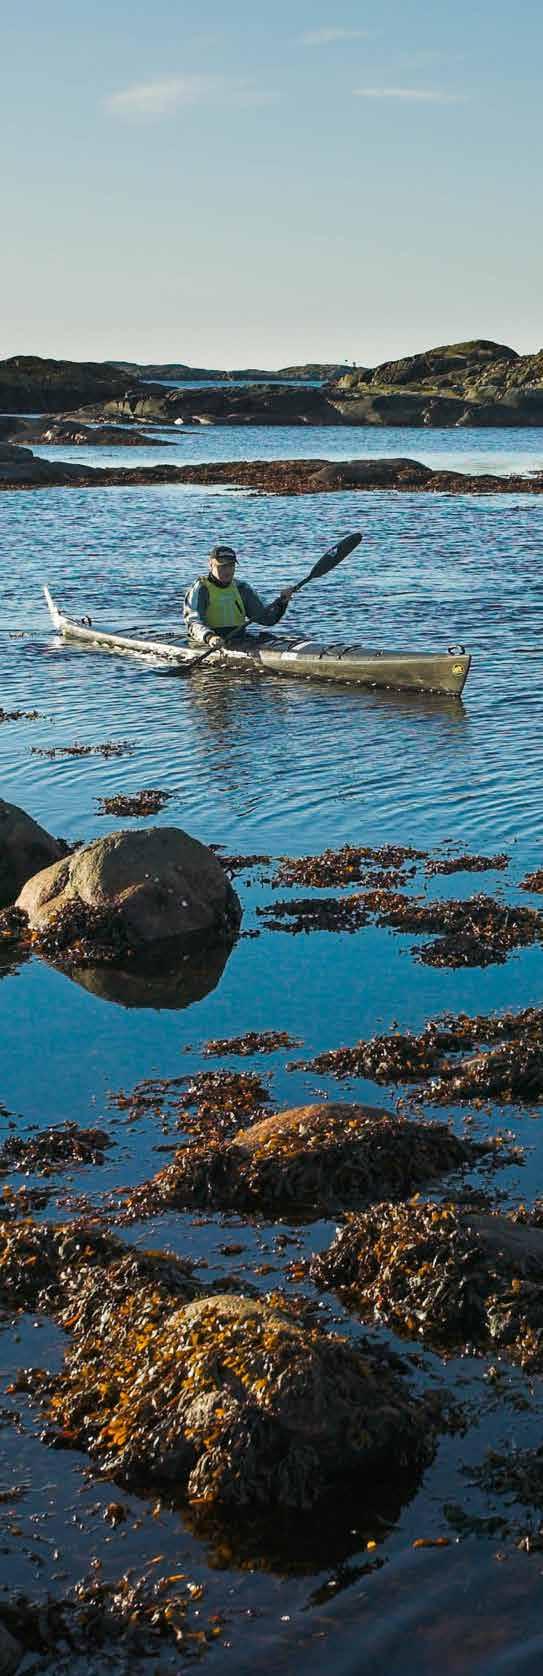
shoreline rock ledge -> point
(130, 893)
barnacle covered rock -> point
(309, 1160)
(444, 1274)
(25, 847)
(127, 891)
(232, 1403)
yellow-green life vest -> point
(225, 608)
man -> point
(216, 604)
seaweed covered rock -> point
(444, 1274)
(309, 1160)
(25, 848)
(232, 1403)
(78, 1267)
(128, 891)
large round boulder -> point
(25, 847)
(129, 891)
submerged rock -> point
(127, 891)
(232, 1403)
(25, 847)
(444, 1274)
(308, 1161)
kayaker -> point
(216, 603)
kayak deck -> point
(442, 672)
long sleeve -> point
(194, 606)
(257, 612)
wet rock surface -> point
(127, 890)
(308, 1162)
(443, 1274)
(25, 847)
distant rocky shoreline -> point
(21, 469)
(478, 383)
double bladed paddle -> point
(322, 567)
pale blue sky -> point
(202, 183)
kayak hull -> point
(441, 672)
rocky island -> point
(479, 383)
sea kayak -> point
(439, 672)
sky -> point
(232, 186)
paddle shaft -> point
(322, 567)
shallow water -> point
(268, 765)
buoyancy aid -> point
(225, 608)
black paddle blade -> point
(335, 555)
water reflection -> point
(292, 1544)
(172, 982)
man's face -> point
(223, 569)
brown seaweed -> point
(141, 803)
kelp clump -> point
(510, 1067)
(231, 1403)
(478, 931)
(54, 1148)
(254, 1041)
(127, 1619)
(78, 934)
(307, 1161)
(79, 1268)
(147, 802)
(208, 1105)
(349, 865)
(444, 1274)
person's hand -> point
(286, 593)
(214, 642)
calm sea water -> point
(279, 766)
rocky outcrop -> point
(72, 433)
(19, 469)
(130, 891)
(25, 848)
(30, 382)
(477, 383)
(252, 405)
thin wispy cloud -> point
(425, 95)
(170, 93)
(326, 37)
